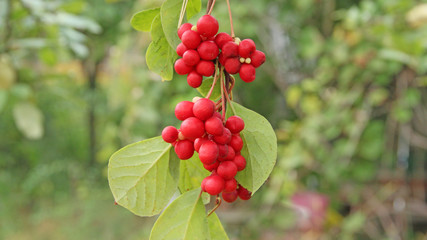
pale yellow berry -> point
(181, 136)
(242, 60)
(194, 28)
(248, 60)
(195, 99)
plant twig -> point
(223, 100)
(181, 15)
(218, 203)
(213, 83)
(211, 7)
(231, 19)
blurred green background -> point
(344, 86)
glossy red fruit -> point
(214, 184)
(191, 39)
(208, 152)
(236, 143)
(191, 57)
(184, 110)
(202, 185)
(247, 73)
(205, 68)
(224, 138)
(257, 58)
(198, 143)
(211, 167)
(218, 115)
(184, 149)
(208, 50)
(214, 126)
(227, 170)
(230, 185)
(192, 128)
(232, 65)
(203, 109)
(207, 26)
(194, 79)
(181, 68)
(240, 162)
(170, 134)
(230, 49)
(229, 196)
(180, 50)
(222, 59)
(246, 48)
(222, 38)
(235, 124)
(223, 151)
(243, 193)
(184, 27)
(231, 154)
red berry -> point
(205, 68)
(184, 27)
(224, 138)
(202, 185)
(180, 50)
(227, 170)
(246, 48)
(191, 57)
(184, 110)
(243, 193)
(257, 58)
(192, 128)
(170, 134)
(207, 26)
(194, 79)
(240, 162)
(230, 49)
(230, 185)
(223, 151)
(181, 68)
(222, 38)
(214, 126)
(222, 59)
(203, 109)
(208, 50)
(211, 167)
(232, 65)
(229, 196)
(218, 115)
(231, 154)
(191, 39)
(247, 73)
(198, 143)
(214, 185)
(208, 152)
(184, 149)
(235, 124)
(236, 143)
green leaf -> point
(259, 148)
(216, 230)
(193, 8)
(184, 218)
(29, 120)
(191, 173)
(143, 20)
(140, 177)
(206, 86)
(169, 14)
(160, 56)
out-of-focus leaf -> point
(417, 16)
(169, 14)
(143, 20)
(7, 73)
(193, 8)
(206, 86)
(29, 120)
(216, 230)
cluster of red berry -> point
(218, 144)
(200, 51)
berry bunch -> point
(200, 51)
(218, 144)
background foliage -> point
(344, 87)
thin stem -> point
(231, 19)
(228, 99)
(213, 84)
(211, 8)
(181, 15)
(222, 96)
(218, 203)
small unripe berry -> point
(229, 196)
(203, 109)
(224, 138)
(235, 124)
(243, 193)
(227, 170)
(214, 185)
(211, 167)
(236, 143)
(184, 27)
(195, 99)
(192, 128)
(214, 126)
(198, 143)
(222, 38)
(207, 26)
(181, 136)
(191, 57)
(184, 149)
(248, 60)
(191, 39)
(205, 68)
(247, 73)
(181, 68)
(230, 49)
(246, 48)
(208, 50)
(180, 50)
(208, 152)
(232, 65)
(240, 162)
(170, 134)
(230, 185)
(184, 110)
(194, 79)
(257, 58)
